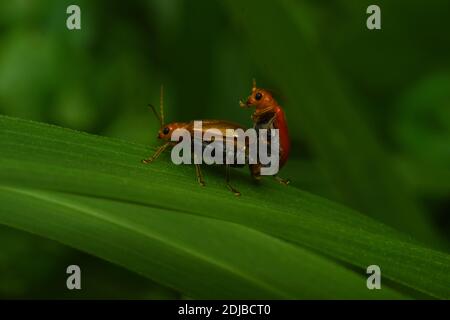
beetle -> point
(268, 114)
(166, 131)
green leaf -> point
(201, 257)
(93, 193)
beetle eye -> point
(166, 130)
(258, 96)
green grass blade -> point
(40, 156)
(201, 257)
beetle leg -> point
(156, 154)
(255, 171)
(236, 193)
(199, 174)
(282, 181)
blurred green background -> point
(368, 111)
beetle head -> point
(261, 99)
(165, 132)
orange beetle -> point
(165, 134)
(269, 115)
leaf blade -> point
(151, 247)
(67, 161)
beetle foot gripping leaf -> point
(198, 171)
(282, 181)
(156, 154)
(229, 186)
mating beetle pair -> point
(268, 114)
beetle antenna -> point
(152, 107)
(161, 106)
(254, 84)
